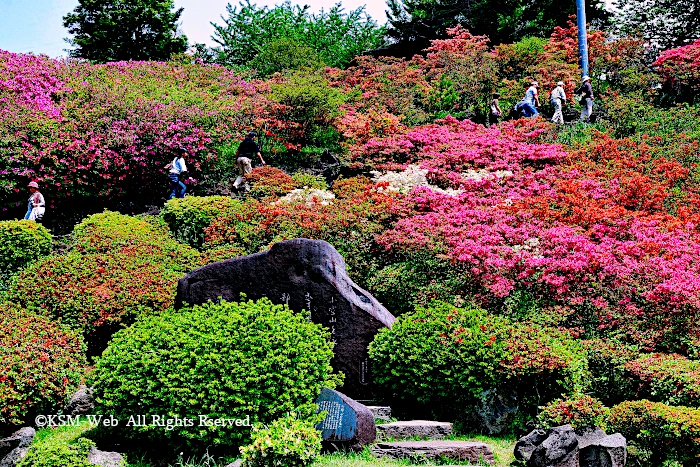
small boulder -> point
(559, 449)
(380, 412)
(105, 459)
(238, 463)
(15, 447)
(596, 449)
(496, 410)
(81, 403)
(528, 443)
(347, 421)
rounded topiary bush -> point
(287, 442)
(41, 364)
(251, 360)
(579, 411)
(22, 242)
(444, 359)
(188, 217)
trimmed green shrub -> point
(41, 363)
(610, 382)
(668, 378)
(251, 360)
(303, 179)
(662, 433)
(188, 217)
(445, 357)
(21, 242)
(59, 446)
(287, 442)
(285, 54)
(579, 411)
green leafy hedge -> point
(188, 217)
(445, 357)
(287, 442)
(41, 364)
(250, 360)
(661, 432)
(22, 242)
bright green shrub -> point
(285, 54)
(668, 378)
(610, 382)
(287, 442)
(227, 360)
(59, 446)
(662, 432)
(303, 179)
(22, 242)
(445, 357)
(188, 217)
(41, 363)
(579, 411)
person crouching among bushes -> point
(178, 170)
(245, 152)
(36, 205)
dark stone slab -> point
(560, 449)
(15, 447)
(440, 449)
(425, 429)
(307, 275)
(347, 421)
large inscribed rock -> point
(306, 275)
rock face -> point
(496, 410)
(307, 275)
(347, 422)
(563, 447)
(415, 429)
(105, 459)
(81, 403)
(15, 447)
(380, 412)
(596, 449)
(453, 450)
(559, 449)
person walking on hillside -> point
(586, 91)
(36, 207)
(558, 99)
(531, 101)
(245, 152)
(496, 111)
(178, 169)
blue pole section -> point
(582, 37)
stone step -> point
(380, 412)
(425, 429)
(436, 449)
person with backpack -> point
(558, 99)
(245, 152)
(528, 106)
(586, 91)
(178, 169)
(36, 207)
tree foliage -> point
(419, 21)
(664, 23)
(115, 30)
(336, 36)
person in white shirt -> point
(177, 170)
(36, 205)
(558, 99)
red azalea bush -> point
(42, 363)
(662, 433)
(680, 67)
(668, 378)
(120, 267)
(579, 411)
(269, 182)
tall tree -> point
(420, 21)
(113, 30)
(336, 36)
(665, 24)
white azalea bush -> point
(286, 442)
(308, 195)
(403, 182)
